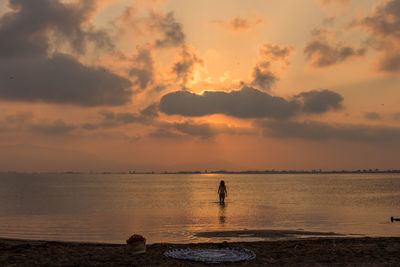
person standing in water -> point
(222, 192)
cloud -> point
(172, 36)
(322, 51)
(385, 19)
(320, 101)
(57, 127)
(319, 131)
(247, 103)
(396, 116)
(262, 77)
(159, 88)
(151, 111)
(330, 21)
(26, 30)
(238, 23)
(128, 24)
(165, 134)
(374, 116)
(383, 24)
(25, 122)
(29, 34)
(204, 130)
(334, 2)
(119, 118)
(275, 53)
(184, 66)
(271, 56)
(112, 119)
(391, 62)
(143, 69)
(19, 118)
(192, 128)
(172, 31)
(16, 122)
(114, 135)
(61, 79)
(162, 28)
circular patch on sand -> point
(212, 255)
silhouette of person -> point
(222, 193)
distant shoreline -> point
(364, 171)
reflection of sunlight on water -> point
(171, 208)
(222, 216)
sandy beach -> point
(363, 251)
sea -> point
(174, 207)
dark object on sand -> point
(135, 238)
(394, 219)
(137, 244)
(212, 255)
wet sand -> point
(316, 251)
(267, 234)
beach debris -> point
(212, 255)
(137, 243)
(135, 238)
(394, 219)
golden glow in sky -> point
(183, 85)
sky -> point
(154, 85)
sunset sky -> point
(193, 85)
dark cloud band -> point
(248, 103)
(62, 79)
(32, 72)
(320, 131)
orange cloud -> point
(334, 2)
(321, 131)
(185, 64)
(383, 24)
(273, 59)
(323, 50)
(239, 24)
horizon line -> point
(272, 171)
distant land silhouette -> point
(273, 171)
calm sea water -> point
(171, 208)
